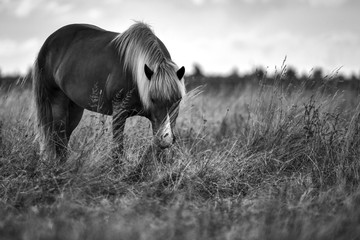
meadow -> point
(265, 162)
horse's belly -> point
(95, 104)
(91, 99)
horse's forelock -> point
(165, 85)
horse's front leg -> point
(118, 124)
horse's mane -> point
(138, 46)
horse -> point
(132, 72)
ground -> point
(253, 163)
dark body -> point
(79, 67)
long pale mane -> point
(138, 46)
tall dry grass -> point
(270, 163)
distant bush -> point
(287, 78)
(15, 82)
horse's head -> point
(166, 90)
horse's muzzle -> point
(165, 140)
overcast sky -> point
(220, 35)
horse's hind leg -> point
(59, 106)
(74, 116)
(66, 116)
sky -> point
(222, 36)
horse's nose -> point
(167, 135)
(166, 140)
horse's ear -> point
(180, 73)
(148, 72)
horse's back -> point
(77, 57)
(71, 30)
(75, 40)
(63, 38)
(79, 26)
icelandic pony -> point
(132, 73)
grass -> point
(270, 163)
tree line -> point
(285, 76)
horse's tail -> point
(43, 123)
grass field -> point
(262, 163)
